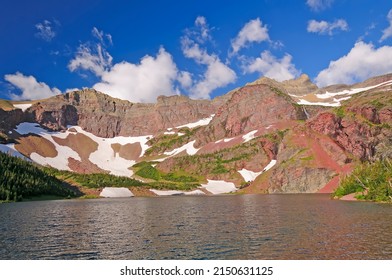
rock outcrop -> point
(249, 108)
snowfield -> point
(23, 107)
(172, 192)
(249, 136)
(116, 192)
(338, 96)
(250, 176)
(104, 157)
(219, 187)
(201, 122)
(189, 148)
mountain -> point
(265, 137)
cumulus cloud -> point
(362, 62)
(30, 88)
(142, 82)
(387, 32)
(324, 27)
(136, 82)
(318, 5)
(185, 79)
(45, 30)
(93, 56)
(270, 66)
(217, 73)
(253, 31)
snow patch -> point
(23, 107)
(219, 187)
(224, 140)
(116, 192)
(249, 136)
(173, 192)
(270, 165)
(201, 122)
(352, 91)
(326, 104)
(249, 175)
(344, 95)
(189, 148)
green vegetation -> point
(170, 181)
(225, 161)
(94, 181)
(149, 172)
(371, 181)
(377, 104)
(340, 112)
(21, 179)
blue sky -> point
(138, 50)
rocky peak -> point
(301, 86)
(251, 107)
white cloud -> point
(185, 79)
(45, 30)
(102, 37)
(272, 67)
(253, 31)
(387, 32)
(216, 75)
(201, 23)
(31, 89)
(318, 5)
(362, 62)
(324, 27)
(142, 82)
(93, 56)
(95, 59)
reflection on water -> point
(216, 227)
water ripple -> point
(221, 227)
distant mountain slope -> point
(233, 138)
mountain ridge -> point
(311, 146)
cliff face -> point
(250, 108)
(105, 116)
(360, 127)
(262, 137)
(10, 118)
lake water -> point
(213, 227)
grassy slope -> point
(6, 105)
(370, 181)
